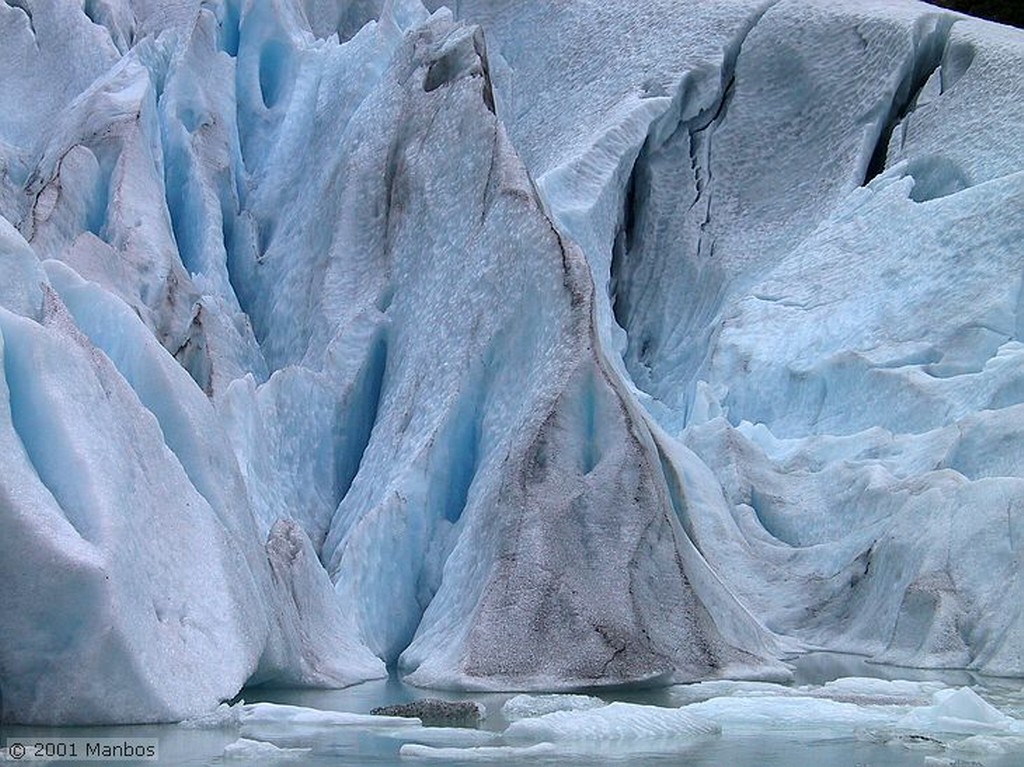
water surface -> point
(764, 746)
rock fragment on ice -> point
(436, 712)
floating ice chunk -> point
(616, 721)
(883, 690)
(860, 690)
(280, 723)
(989, 744)
(880, 711)
(244, 748)
(224, 716)
(960, 711)
(758, 714)
(257, 714)
(526, 706)
(685, 694)
(478, 754)
(278, 713)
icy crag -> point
(522, 347)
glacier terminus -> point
(505, 345)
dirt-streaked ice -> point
(518, 348)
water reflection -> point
(823, 667)
(765, 746)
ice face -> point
(647, 350)
(142, 594)
(768, 163)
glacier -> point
(512, 346)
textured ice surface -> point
(525, 706)
(525, 347)
(880, 711)
(755, 714)
(265, 714)
(143, 594)
(247, 749)
(889, 723)
(980, 745)
(224, 716)
(855, 690)
(477, 753)
(616, 721)
(960, 711)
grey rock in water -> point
(437, 712)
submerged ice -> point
(338, 336)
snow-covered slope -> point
(525, 347)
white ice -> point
(477, 753)
(247, 749)
(525, 706)
(257, 715)
(616, 721)
(961, 712)
(340, 336)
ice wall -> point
(794, 192)
(525, 347)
